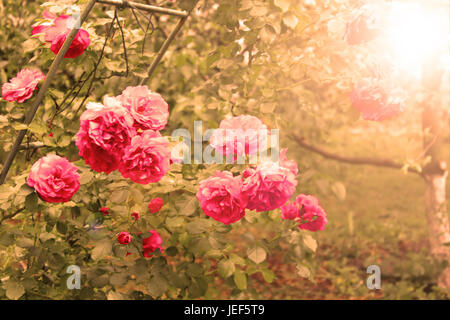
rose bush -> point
(201, 216)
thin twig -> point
(12, 215)
(94, 71)
(387, 163)
(123, 41)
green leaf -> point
(157, 286)
(268, 107)
(14, 290)
(102, 249)
(310, 242)
(198, 226)
(258, 11)
(64, 141)
(339, 190)
(282, 4)
(240, 279)
(303, 271)
(257, 254)
(290, 20)
(19, 126)
(268, 275)
(86, 177)
(39, 129)
(194, 269)
(226, 268)
(118, 279)
(30, 45)
(31, 202)
(174, 222)
(61, 227)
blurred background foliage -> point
(282, 60)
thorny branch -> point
(387, 163)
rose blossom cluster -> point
(54, 178)
(225, 197)
(123, 134)
(56, 29)
(22, 86)
(307, 211)
(151, 243)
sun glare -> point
(417, 32)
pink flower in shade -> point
(56, 31)
(150, 244)
(363, 26)
(307, 200)
(148, 109)
(135, 215)
(21, 87)
(312, 218)
(124, 237)
(288, 164)
(269, 187)
(221, 198)
(240, 135)
(77, 47)
(104, 210)
(105, 131)
(42, 27)
(146, 159)
(307, 211)
(289, 211)
(54, 178)
(376, 100)
(155, 205)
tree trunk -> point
(438, 222)
(434, 117)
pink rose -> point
(124, 237)
(269, 187)
(306, 200)
(307, 211)
(135, 215)
(240, 135)
(104, 210)
(312, 218)
(77, 47)
(150, 244)
(221, 198)
(376, 100)
(155, 205)
(22, 86)
(289, 211)
(56, 32)
(54, 178)
(146, 159)
(288, 164)
(105, 131)
(363, 26)
(148, 109)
